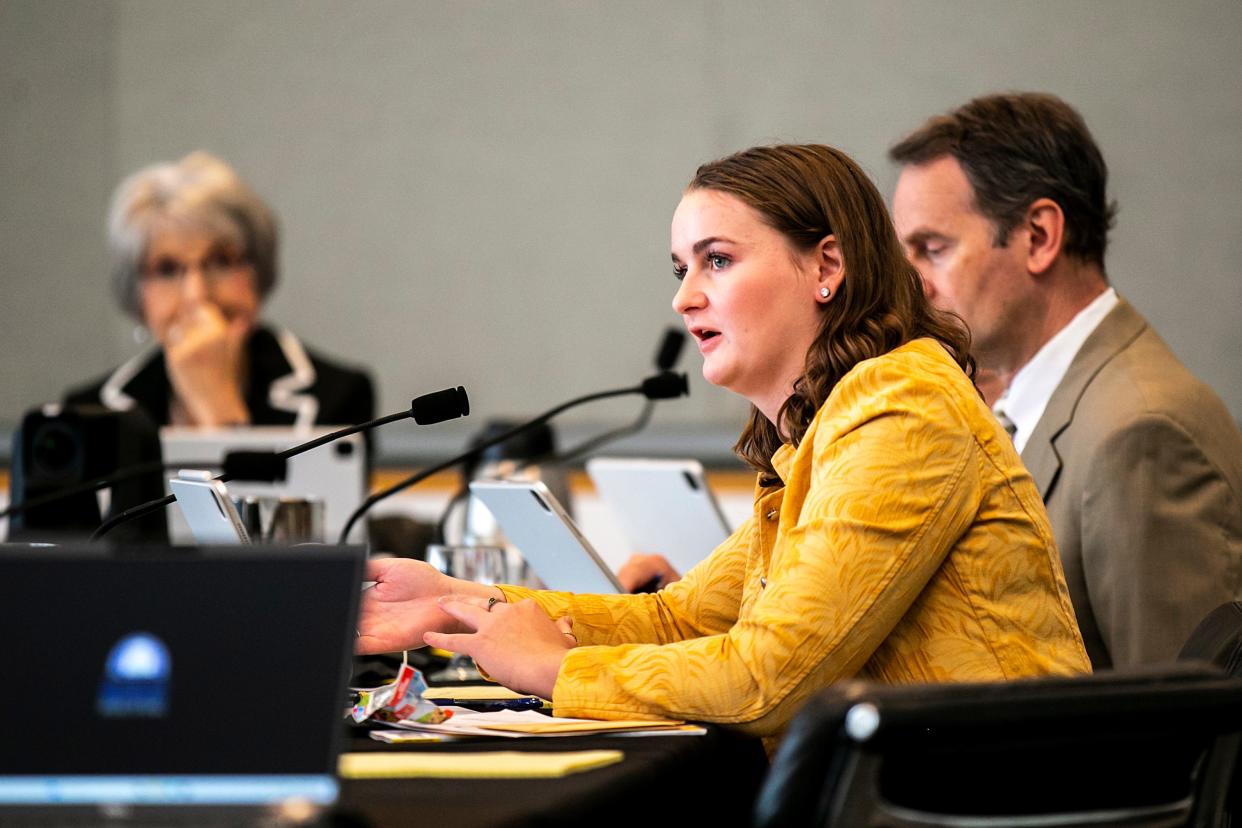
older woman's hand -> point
(204, 356)
(518, 645)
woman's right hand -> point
(203, 354)
(404, 604)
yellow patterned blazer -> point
(907, 544)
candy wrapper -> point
(400, 701)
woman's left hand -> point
(518, 645)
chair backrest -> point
(1109, 749)
(1218, 639)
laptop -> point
(173, 686)
(662, 506)
(335, 473)
(534, 521)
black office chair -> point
(1152, 748)
(1218, 639)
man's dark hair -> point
(1019, 147)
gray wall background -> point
(479, 193)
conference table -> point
(711, 779)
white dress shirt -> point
(1027, 396)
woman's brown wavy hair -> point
(807, 192)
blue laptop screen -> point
(167, 790)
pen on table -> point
(489, 705)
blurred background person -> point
(194, 257)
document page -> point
(519, 723)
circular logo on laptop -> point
(137, 678)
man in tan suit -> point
(1001, 205)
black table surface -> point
(695, 780)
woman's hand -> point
(404, 604)
(641, 570)
(204, 355)
(518, 645)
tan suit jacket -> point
(1140, 466)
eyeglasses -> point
(216, 267)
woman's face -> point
(184, 268)
(749, 299)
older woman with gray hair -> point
(194, 256)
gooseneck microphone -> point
(428, 409)
(94, 485)
(667, 354)
(663, 386)
(670, 349)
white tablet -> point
(662, 506)
(208, 510)
(535, 523)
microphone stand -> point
(664, 385)
(592, 443)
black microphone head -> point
(264, 466)
(666, 385)
(670, 349)
(439, 406)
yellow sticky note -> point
(508, 764)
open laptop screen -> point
(176, 677)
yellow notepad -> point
(508, 764)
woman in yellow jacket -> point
(896, 536)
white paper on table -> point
(467, 722)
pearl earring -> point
(824, 292)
